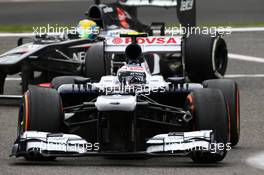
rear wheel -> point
(205, 57)
(34, 116)
(231, 92)
(210, 113)
(96, 65)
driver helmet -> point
(131, 74)
(87, 29)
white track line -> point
(245, 58)
(247, 29)
(16, 34)
(244, 76)
(256, 161)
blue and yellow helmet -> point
(87, 29)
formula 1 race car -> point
(64, 54)
(131, 114)
(49, 56)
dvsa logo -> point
(186, 5)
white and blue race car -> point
(129, 113)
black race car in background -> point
(201, 57)
(133, 113)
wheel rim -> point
(219, 57)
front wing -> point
(69, 145)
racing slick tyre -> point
(58, 81)
(210, 113)
(96, 64)
(2, 82)
(205, 57)
(231, 93)
(40, 111)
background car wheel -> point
(205, 57)
(231, 92)
(58, 81)
(96, 65)
(210, 113)
(34, 116)
(27, 76)
(2, 82)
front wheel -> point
(210, 113)
(41, 110)
(230, 91)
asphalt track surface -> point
(252, 126)
(69, 12)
